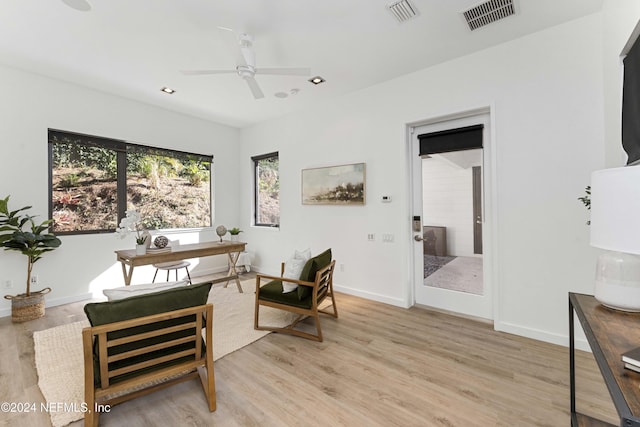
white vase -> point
(141, 249)
(618, 281)
(234, 237)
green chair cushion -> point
(140, 306)
(102, 313)
(272, 292)
(310, 269)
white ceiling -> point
(132, 48)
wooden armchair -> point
(304, 301)
(129, 358)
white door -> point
(436, 290)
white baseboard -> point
(370, 295)
(536, 334)
(52, 302)
(48, 302)
(351, 291)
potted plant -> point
(235, 231)
(132, 222)
(586, 200)
(21, 233)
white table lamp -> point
(615, 227)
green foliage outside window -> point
(267, 207)
(169, 189)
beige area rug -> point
(58, 351)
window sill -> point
(265, 227)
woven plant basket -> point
(24, 308)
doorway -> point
(450, 252)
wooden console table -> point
(128, 258)
(610, 333)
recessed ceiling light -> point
(168, 90)
(316, 80)
(81, 5)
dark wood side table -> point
(609, 333)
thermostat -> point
(386, 199)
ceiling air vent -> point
(403, 10)
(488, 12)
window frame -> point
(121, 148)
(256, 189)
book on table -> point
(632, 357)
(632, 367)
(158, 250)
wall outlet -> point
(8, 284)
(371, 237)
(34, 279)
(341, 267)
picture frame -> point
(334, 185)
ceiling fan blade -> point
(285, 71)
(255, 89)
(231, 40)
(206, 72)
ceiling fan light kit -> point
(246, 66)
(79, 5)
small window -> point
(267, 190)
(94, 180)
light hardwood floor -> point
(378, 366)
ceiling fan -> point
(246, 66)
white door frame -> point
(490, 270)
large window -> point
(94, 181)
(267, 190)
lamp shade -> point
(615, 209)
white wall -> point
(448, 202)
(31, 104)
(552, 97)
(546, 95)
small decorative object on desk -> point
(221, 230)
(132, 222)
(161, 242)
(235, 231)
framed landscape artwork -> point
(334, 185)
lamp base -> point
(618, 281)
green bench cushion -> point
(145, 305)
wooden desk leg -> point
(127, 274)
(233, 273)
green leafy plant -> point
(235, 231)
(586, 199)
(70, 180)
(21, 233)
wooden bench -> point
(130, 358)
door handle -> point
(418, 238)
